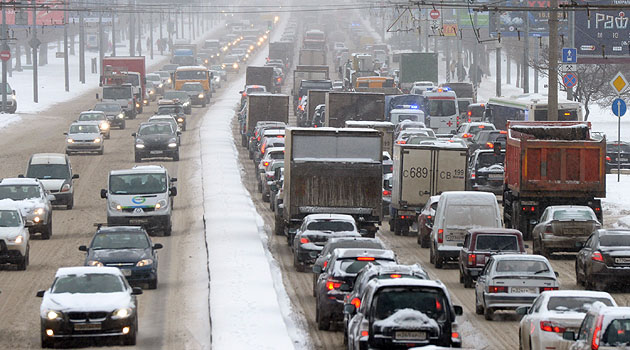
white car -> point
(553, 313)
(88, 301)
(33, 201)
(14, 236)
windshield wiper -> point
(541, 271)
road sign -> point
(5, 55)
(34, 43)
(569, 55)
(619, 83)
(568, 67)
(569, 80)
(434, 14)
(619, 107)
(511, 23)
(59, 54)
(602, 33)
(449, 29)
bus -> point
(528, 107)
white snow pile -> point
(408, 319)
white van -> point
(457, 212)
(398, 115)
(141, 196)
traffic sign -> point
(434, 14)
(34, 43)
(569, 80)
(569, 55)
(5, 55)
(602, 33)
(619, 107)
(568, 67)
(619, 83)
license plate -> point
(522, 290)
(495, 176)
(138, 221)
(87, 326)
(126, 272)
(406, 212)
(622, 260)
(454, 237)
(623, 159)
(156, 152)
(406, 335)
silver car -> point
(84, 137)
(512, 280)
(34, 202)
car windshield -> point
(469, 216)
(137, 184)
(192, 87)
(170, 110)
(521, 266)
(353, 266)
(9, 218)
(169, 120)
(88, 283)
(614, 147)
(487, 159)
(116, 92)
(171, 95)
(617, 333)
(330, 225)
(83, 129)
(276, 155)
(120, 240)
(462, 105)
(497, 242)
(256, 89)
(574, 214)
(163, 74)
(107, 107)
(19, 192)
(574, 303)
(412, 117)
(155, 129)
(48, 171)
(191, 74)
(429, 301)
(153, 77)
(475, 129)
(441, 108)
(615, 240)
(91, 117)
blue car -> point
(128, 248)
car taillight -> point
(489, 145)
(365, 333)
(65, 188)
(596, 332)
(467, 136)
(544, 289)
(279, 80)
(333, 284)
(265, 163)
(497, 289)
(472, 259)
(529, 208)
(608, 158)
(440, 236)
(473, 175)
(244, 94)
(597, 256)
(325, 264)
(548, 326)
(548, 229)
(356, 302)
(469, 113)
(365, 258)
(304, 240)
(395, 276)
(502, 132)
(387, 193)
(401, 142)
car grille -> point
(131, 210)
(120, 264)
(93, 316)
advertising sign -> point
(604, 33)
(512, 23)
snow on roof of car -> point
(19, 181)
(520, 257)
(92, 112)
(140, 169)
(578, 293)
(404, 281)
(48, 158)
(469, 197)
(407, 317)
(343, 217)
(84, 270)
(358, 252)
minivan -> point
(457, 212)
(55, 173)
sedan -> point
(14, 236)
(561, 227)
(512, 280)
(128, 248)
(100, 118)
(88, 302)
(156, 139)
(84, 137)
(604, 259)
(552, 314)
(617, 155)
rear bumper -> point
(563, 243)
(307, 256)
(608, 274)
(505, 301)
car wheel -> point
(176, 156)
(478, 307)
(299, 267)
(259, 187)
(278, 226)
(520, 340)
(138, 158)
(535, 246)
(203, 105)
(23, 262)
(184, 127)
(578, 280)
(431, 256)
(100, 152)
(315, 285)
(168, 231)
(323, 323)
(468, 281)
(122, 126)
(153, 283)
(488, 312)
(391, 225)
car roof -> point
(274, 149)
(115, 229)
(410, 282)
(576, 293)
(519, 257)
(84, 270)
(92, 112)
(613, 231)
(555, 207)
(140, 169)
(19, 181)
(48, 158)
(490, 230)
(340, 217)
(85, 122)
(342, 253)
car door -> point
(481, 284)
(541, 223)
(584, 255)
(530, 326)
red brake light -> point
(467, 135)
(481, 126)
(438, 305)
(544, 289)
(387, 193)
(608, 158)
(490, 144)
(454, 335)
(266, 163)
(365, 258)
(472, 259)
(332, 284)
(502, 132)
(597, 256)
(325, 263)
(440, 236)
(401, 142)
(280, 136)
(469, 113)
(596, 332)
(547, 326)
(395, 276)
(279, 80)
(548, 229)
(244, 94)
(429, 217)
(304, 240)
(356, 302)
(497, 289)
(365, 333)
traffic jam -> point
(401, 207)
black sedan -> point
(128, 248)
(604, 259)
(617, 155)
(156, 140)
(196, 93)
(485, 171)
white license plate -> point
(454, 237)
(406, 212)
(126, 272)
(138, 221)
(523, 290)
(622, 260)
(623, 159)
(406, 335)
(495, 176)
(156, 152)
(87, 326)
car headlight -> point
(53, 315)
(115, 206)
(206, 60)
(172, 143)
(69, 140)
(186, 103)
(223, 66)
(151, 92)
(139, 146)
(39, 211)
(120, 115)
(235, 65)
(104, 126)
(200, 96)
(36, 219)
(144, 262)
(161, 85)
(94, 263)
(161, 204)
(97, 140)
(170, 80)
(17, 240)
(121, 313)
(13, 97)
(180, 120)
(137, 105)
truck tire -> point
(438, 259)
(278, 226)
(468, 281)
(323, 323)
(299, 267)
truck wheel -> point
(391, 225)
(168, 231)
(323, 323)
(431, 256)
(468, 281)
(404, 229)
(438, 260)
(278, 226)
(424, 242)
(299, 267)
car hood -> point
(53, 185)
(160, 138)
(10, 231)
(119, 255)
(84, 136)
(66, 302)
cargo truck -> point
(312, 57)
(343, 106)
(257, 75)
(551, 163)
(417, 66)
(328, 170)
(308, 73)
(282, 50)
(135, 69)
(263, 107)
(422, 171)
(386, 128)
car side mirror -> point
(30, 223)
(317, 269)
(21, 176)
(345, 288)
(158, 246)
(458, 310)
(556, 273)
(65, 133)
(173, 191)
(40, 293)
(83, 248)
(179, 133)
(568, 335)
(522, 310)
(51, 197)
(75, 176)
(136, 291)
(173, 179)
(133, 134)
(103, 193)
(349, 309)
(363, 232)
(13, 92)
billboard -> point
(512, 23)
(49, 13)
(604, 33)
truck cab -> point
(123, 95)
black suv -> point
(487, 139)
(175, 109)
(114, 113)
(156, 140)
(485, 171)
(617, 154)
(196, 93)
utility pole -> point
(191, 24)
(113, 14)
(498, 66)
(536, 53)
(132, 29)
(101, 45)
(5, 47)
(571, 44)
(182, 20)
(81, 48)
(552, 102)
(151, 33)
(139, 37)
(475, 66)
(525, 69)
(161, 36)
(65, 48)
(176, 26)
(34, 45)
